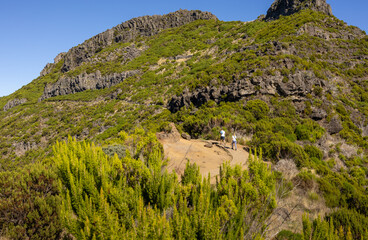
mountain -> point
(293, 85)
(286, 8)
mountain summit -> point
(289, 7)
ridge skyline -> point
(23, 58)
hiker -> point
(234, 142)
(222, 133)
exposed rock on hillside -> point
(299, 84)
(129, 30)
(334, 126)
(125, 55)
(47, 69)
(288, 7)
(84, 82)
(22, 147)
(13, 103)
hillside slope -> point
(292, 84)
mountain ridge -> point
(294, 88)
(127, 31)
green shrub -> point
(346, 218)
(29, 204)
(288, 235)
(283, 108)
(117, 149)
(191, 174)
(309, 130)
(313, 152)
(258, 108)
(276, 147)
(305, 179)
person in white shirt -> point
(234, 142)
(222, 133)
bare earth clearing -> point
(209, 159)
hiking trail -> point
(208, 155)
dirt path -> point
(209, 159)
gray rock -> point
(84, 82)
(59, 57)
(318, 114)
(115, 94)
(13, 103)
(334, 125)
(20, 148)
(185, 136)
(299, 85)
(289, 7)
(208, 145)
(179, 57)
(48, 68)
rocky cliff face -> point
(84, 82)
(125, 32)
(298, 86)
(13, 103)
(288, 7)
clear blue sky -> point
(34, 32)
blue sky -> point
(34, 32)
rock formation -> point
(125, 32)
(70, 85)
(20, 148)
(13, 103)
(335, 125)
(48, 68)
(289, 7)
(299, 85)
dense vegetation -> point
(54, 186)
(95, 196)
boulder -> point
(335, 125)
(318, 114)
(289, 7)
(208, 145)
(185, 136)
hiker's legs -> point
(232, 145)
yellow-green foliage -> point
(330, 229)
(133, 198)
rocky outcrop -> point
(315, 31)
(70, 85)
(127, 31)
(20, 148)
(289, 7)
(124, 55)
(186, 136)
(48, 68)
(318, 114)
(335, 125)
(13, 103)
(299, 84)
